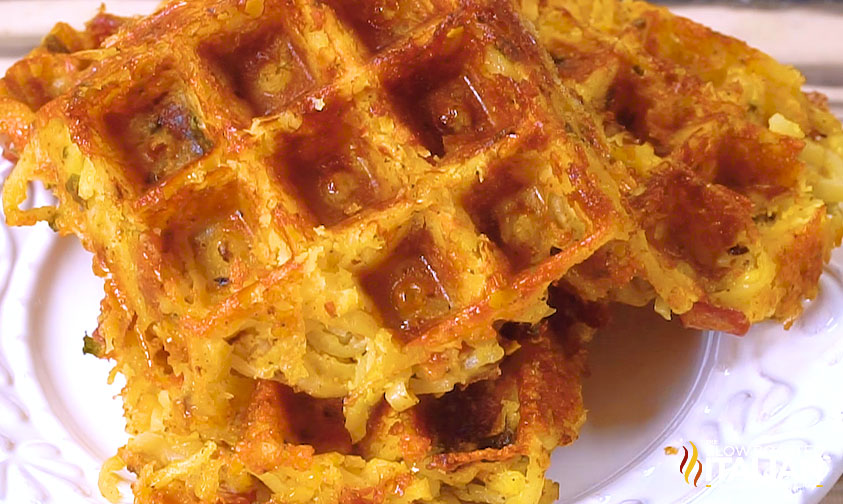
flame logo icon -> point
(687, 466)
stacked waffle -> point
(732, 174)
(353, 250)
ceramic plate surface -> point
(762, 413)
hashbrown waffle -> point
(732, 172)
(328, 229)
(281, 198)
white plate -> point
(773, 393)
(765, 410)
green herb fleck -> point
(90, 346)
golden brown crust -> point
(328, 230)
(678, 98)
(282, 202)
